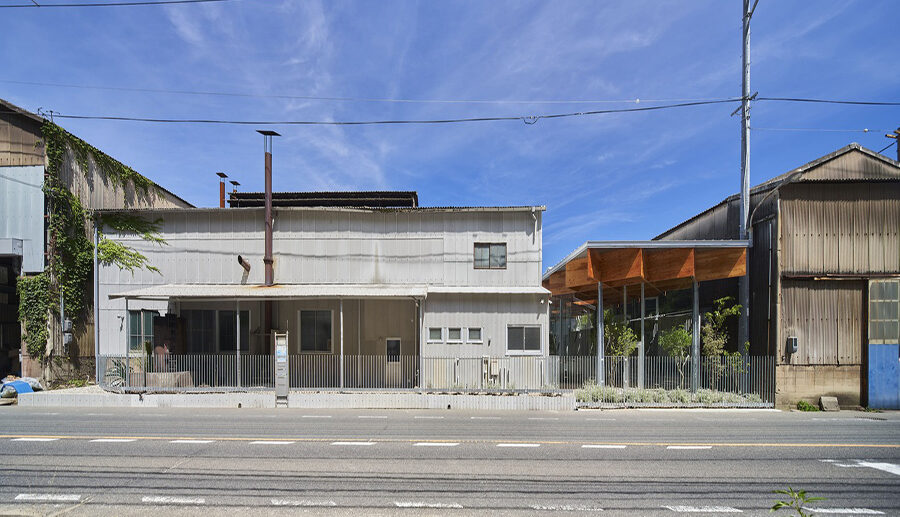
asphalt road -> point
(287, 461)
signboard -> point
(281, 369)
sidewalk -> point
(93, 396)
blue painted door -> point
(884, 344)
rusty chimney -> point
(267, 258)
(222, 177)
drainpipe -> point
(269, 272)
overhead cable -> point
(112, 4)
(829, 101)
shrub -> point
(803, 405)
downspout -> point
(96, 304)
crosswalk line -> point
(61, 498)
(164, 499)
(703, 509)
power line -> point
(829, 101)
(528, 119)
(813, 129)
(887, 147)
(365, 99)
(113, 4)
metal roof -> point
(644, 245)
(371, 199)
(442, 289)
(280, 291)
(535, 208)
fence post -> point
(601, 367)
(695, 335)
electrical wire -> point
(813, 129)
(528, 119)
(829, 101)
(363, 99)
(887, 147)
(113, 4)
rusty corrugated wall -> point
(828, 318)
(18, 138)
(840, 228)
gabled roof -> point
(805, 173)
(12, 108)
(370, 199)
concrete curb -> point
(304, 400)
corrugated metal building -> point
(822, 235)
(23, 165)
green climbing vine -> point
(70, 260)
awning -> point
(487, 289)
(659, 265)
(10, 247)
(260, 292)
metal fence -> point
(658, 381)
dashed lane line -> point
(421, 504)
(843, 511)
(704, 509)
(484, 418)
(428, 417)
(565, 508)
(165, 499)
(886, 467)
(542, 418)
(303, 502)
(35, 439)
(602, 446)
(50, 498)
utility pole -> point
(896, 136)
(743, 231)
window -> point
(227, 329)
(523, 339)
(315, 331)
(435, 335)
(200, 329)
(140, 330)
(474, 335)
(884, 311)
(454, 335)
(490, 255)
(392, 349)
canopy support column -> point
(342, 342)
(641, 347)
(237, 339)
(695, 341)
(625, 369)
(601, 367)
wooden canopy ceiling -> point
(658, 268)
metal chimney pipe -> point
(269, 271)
(222, 177)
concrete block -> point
(829, 404)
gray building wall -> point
(22, 212)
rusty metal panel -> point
(854, 165)
(19, 137)
(827, 317)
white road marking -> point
(316, 416)
(689, 447)
(542, 418)
(191, 441)
(373, 416)
(886, 467)
(566, 508)
(65, 498)
(598, 446)
(352, 443)
(98, 414)
(436, 444)
(113, 440)
(703, 509)
(485, 417)
(845, 511)
(302, 502)
(518, 445)
(164, 499)
(34, 439)
(428, 417)
(271, 442)
(420, 504)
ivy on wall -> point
(70, 249)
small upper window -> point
(474, 335)
(490, 255)
(434, 334)
(454, 335)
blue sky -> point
(622, 176)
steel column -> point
(601, 367)
(342, 342)
(641, 349)
(695, 341)
(237, 339)
(625, 369)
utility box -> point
(282, 370)
(792, 344)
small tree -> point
(620, 339)
(676, 342)
(713, 333)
